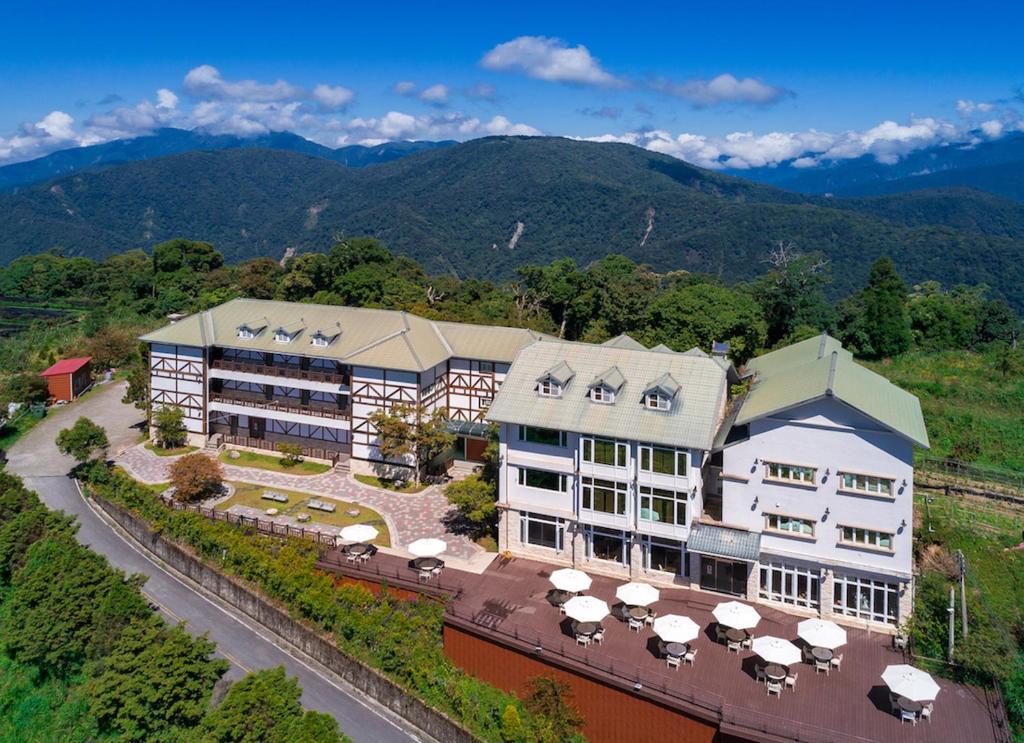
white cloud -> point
(166, 100)
(330, 98)
(547, 58)
(206, 82)
(992, 128)
(53, 131)
(501, 125)
(966, 107)
(397, 125)
(724, 88)
(404, 87)
(435, 94)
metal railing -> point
(292, 371)
(270, 444)
(380, 571)
(980, 476)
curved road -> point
(245, 645)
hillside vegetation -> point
(456, 209)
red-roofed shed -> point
(69, 378)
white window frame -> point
(320, 340)
(784, 525)
(591, 531)
(862, 484)
(549, 388)
(680, 499)
(648, 542)
(867, 591)
(865, 538)
(527, 517)
(280, 337)
(786, 473)
(621, 452)
(602, 394)
(779, 574)
(677, 456)
(619, 490)
(246, 334)
(521, 479)
(563, 437)
(657, 401)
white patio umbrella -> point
(428, 547)
(912, 683)
(821, 633)
(359, 533)
(676, 628)
(776, 650)
(586, 609)
(637, 594)
(570, 580)
(736, 615)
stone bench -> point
(319, 505)
(274, 496)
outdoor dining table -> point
(736, 635)
(559, 596)
(586, 628)
(909, 705)
(775, 672)
(426, 563)
(822, 655)
(676, 649)
(358, 549)
(638, 612)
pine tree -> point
(886, 322)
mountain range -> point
(486, 206)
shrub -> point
(169, 426)
(292, 453)
(196, 476)
(82, 440)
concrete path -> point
(244, 645)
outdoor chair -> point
(837, 662)
(649, 619)
(748, 643)
(583, 640)
(791, 681)
(350, 557)
(688, 657)
(759, 672)
(899, 642)
(425, 575)
(806, 650)
(926, 712)
(635, 625)
(893, 706)
(437, 570)
(733, 646)
(561, 608)
(719, 633)
(598, 637)
(819, 666)
(774, 687)
(672, 661)
(365, 557)
(907, 716)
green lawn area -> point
(249, 495)
(272, 463)
(376, 482)
(972, 412)
(161, 452)
(11, 432)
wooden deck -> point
(508, 605)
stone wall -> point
(276, 619)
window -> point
(486, 367)
(605, 544)
(662, 506)
(866, 599)
(246, 334)
(542, 531)
(602, 394)
(657, 401)
(545, 436)
(790, 472)
(788, 524)
(485, 402)
(665, 555)
(605, 451)
(605, 496)
(854, 535)
(790, 584)
(282, 337)
(865, 484)
(542, 479)
(549, 388)
(663, 461)
(319, 340)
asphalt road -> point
(36, 459)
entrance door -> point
(257, 427)
(724, 576)
(474, 451)
(233, 424)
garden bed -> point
(172, 452)
(272, 463)
(384, 484)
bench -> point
(319, 505)
(274, 496)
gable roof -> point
(611, 378)
(818, 368)
(692, 421)
(67, 366)
(387, 339)
(625, 341)
(666, 383)
(560, 374)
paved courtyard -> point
(409, 516)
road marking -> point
(169, 612)
(348, 694)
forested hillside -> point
(482, 208)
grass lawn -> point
(11, 432)
(249, 495)
(273, 463)
(376, 482)
(488, 542)
(161, 452)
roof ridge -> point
(444, 341)
(412, 350)
(830, 384)
(376, 342)
(821, 345)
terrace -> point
(507, 605)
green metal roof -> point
(818, 368)
(625, 341)
(368, 337)
(721, 541)
(692, 421)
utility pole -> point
(952, 612)
(963, 591)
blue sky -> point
(743, 84)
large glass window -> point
(790, 472)
(663, 461)
(662, 506)
(866, 598)
(790, 584)
(854, 535)
(605, 451)
(542, 479)
(865, 483)
(608, 545)
(665, 555)
(605, 496)
(546, 436)
(542, 531)
(788, 524)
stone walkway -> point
(409, 516)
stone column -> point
(826, 592)
(753, 581)
(636, 558)
(907, 589)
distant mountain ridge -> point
(170, 141)
(487, 206)
(995, 166)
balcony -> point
(285, 371)
(258, 402)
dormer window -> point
(606, 386)
(660, 393)
(553, 381)
(324, 338)
(282, 337)
(246, 334)
(549, 388)
(657, 401)
(288, 333)
(602, 394)
(249, 330)
(319, 340)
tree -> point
(137, 374)
(25, 388)
(291, 453)
(196, 476)
(169, 425)
(511, 724)
(155, 678)
(561, 288)
(885, 321)
(476, 500)
(792, 292)
(550, 701)
(82, 440)
(258, 278)
(110, 347)
(264, 708)
(405, 431)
